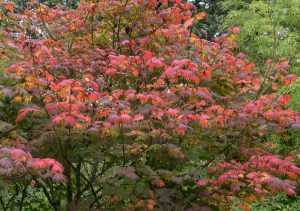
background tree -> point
(269, 29)
(21, 5)
(212, 25)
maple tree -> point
(131, 108)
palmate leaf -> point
(128, 173)
(261, 174)
(16, 163)
(24, 111)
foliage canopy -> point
(136, 112)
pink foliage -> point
(16, 161)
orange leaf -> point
(188, 23)
(48, 76)
(289, 159)
(251, 199)
(158, 183)
(201, 16)
(274, 87)
(246, 207)
(30, 79)
(23, 113)
(164, 2)
(292, 175)
(151, 204)
(201, 183)
(32, 183)
(9, 7)
(47, 99)
(17, 99)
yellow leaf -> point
(231, 38)
(27, 99)
(40, 9)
